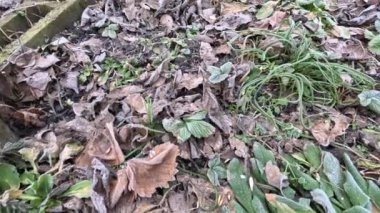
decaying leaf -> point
(207, 54)
(103, 146)
(275, 177)
(325, 131)
(241, 149)
(233, 7)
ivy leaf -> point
(320, 197)
(371, 99)
(9, 177)
(374, 45)
(81, 189)
(200, 129)
(354, 192)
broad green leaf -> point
(172, 125)
(27, 178)
(226, 68)
(374, 193)
(43, 185)
(266, 10)
(81, 189)
(239, 184)
(331, 168)
(321, 198)
(369, 34)
(354, 192)
(355, 173)
(307, 182)
(258, 206)
(196, 116)
(313, 155)
(258, 171)
(213, 177)
(304, 2)
(261, 154)
(113, 27)
(374, 45)
(200, 129)
(326, 186)
(217, 77)
(357, 209)
(9, 177)
(371, 99)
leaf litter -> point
(182, 106)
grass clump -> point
(296, 74)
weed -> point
(299, 74)
(122, 73)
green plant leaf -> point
(110, 31)
(196, 116)
(226, 68)
(217, 77)
(354, 192)
(237, 207)
(258, 171)
(371, 99)
(313, 155)
(43, 185)
(266, 10)
(9, 177)
(258, 206)
(183, 134)
(261, 154)
(81, 189)
(200, 129)
(354, 172)
(287, 204)
(239, 184)
(27, 177)
(177, 127)
(374, 193)
(216, 171)
(357, 209)
(374, 45)
(331, 168)
(321, 198)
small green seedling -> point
(219, 74)
(110, 31)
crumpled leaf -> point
(371, 99)
(325, 132)
(275, 177)
(321, 198)
(136, 102)
(44, 62)
(207, 54)
(82, 189)
(103, 146)
(241, 149)
(147, 174)
(232, 21)
(349, 49)
(233, 7)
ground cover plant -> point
(196, 106)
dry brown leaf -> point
(44, 62)
(213, 145)
(190, 81)
(136, 102)
(349, 49)
(118, 187)
(207, 54)
(167, 21)
(179, 202)
(233, 7)
(325, 132)
(147, 174)
(275, 177)
(103, 146)
(232, 21)
(271, 22)
(241, 150)
(223, 49)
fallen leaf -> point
(190, 81)
(271, 22)
(207, 53)
(350, 49)
(266, 10)
(325, 132)
(147, 174)
(241, 150)
(103, 146)
(167, 21)
(275, 177)
(44, 62)
(233, 7)
(179, 202)
(232, 21)
(137, 102)
(70, 81)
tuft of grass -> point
(298, 74)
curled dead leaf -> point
(103, 146)
(275, 177)
(207, 54)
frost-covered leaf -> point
(321, 198)
(377, 25)
(371, 99)
(261, 154)
(266, 10)
(200, 129)
(216, 171)
(81, 189)
(219, 74)
(374, 193)
(183, 134)
(239, 184)
(374, 45)
(357, 209)
(355, 173)
(313, 155)
(177, 127)
(284, 204)
(196, 116)
(110, 31)
(354, 192)
(258, 205)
